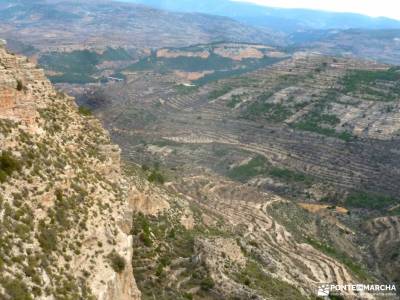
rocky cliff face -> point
(64, 215)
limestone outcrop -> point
(64, 213)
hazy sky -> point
(375, 8)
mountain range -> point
(69, 25)
(287, 20)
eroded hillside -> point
(64, 217)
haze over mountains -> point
(48, 25)
(287, 20)
(42, 26)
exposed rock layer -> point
(64, 212)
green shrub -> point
(207, 283)
(47, 237)
(256, 166)
(370, 200)
(145, 238)
(8, 165)
(85, 111)
(117, 262)
(188, 296)
(156, 177)
(16, 289)
(290, 176)
(219, 92)
(235, 100)
(20, 86)
(159, 270)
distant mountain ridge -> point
(380, 45)
(287, 20)
(54, 25)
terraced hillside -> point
(210, 238)
(296, 114)
(200, 64)
(190, 65)
(312, 129)
(88, 66)
(381, 45)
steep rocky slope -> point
(64, 217)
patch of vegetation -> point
(222, 67)
(79, 66)
(254, 277)
(188, 64)
(235, 100)
(291, 176)
(354, 78)
(156, 177)
(219, 92)
(20, 86)
(260, 166)
(131, 117)
(366, 82)
(117, 262)
(185, 90)
(85, 111)
(47, 237)
(245, 66)
(145, 233)
(115, 54)
(316, 128)
(207, 283)
(318, 121)
(72, 78)
(273, 112)
(255, 167)
(76, 66)
(370, 200)
(395, 212)
(8, 165)
(16, 289)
